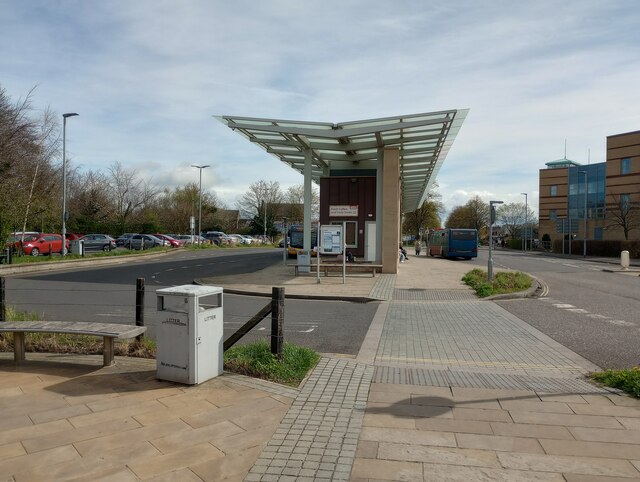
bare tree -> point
(624, 213)
(129, 193)
(512, 217)
(262, 195)
(294, 198)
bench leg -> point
(107, 353)
(18, 346)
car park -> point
(236, 239)
(145, 241)
(216, 237)
(122, 241)
(45, 243)
(98, 242)
(174, 243)
(15, 240)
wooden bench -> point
(326, 267)
(109, 331)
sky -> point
(147, 76)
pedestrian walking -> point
(418, 247)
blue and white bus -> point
(454, 243)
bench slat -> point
(108, 332)
(111, 330)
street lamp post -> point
(584, 241)
(284, 244)
(492, 217)
(526, 218)
(200, 168)
(64, 179)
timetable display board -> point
(331, 239)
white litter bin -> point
(304, 261)
(189, 333)
(77, 247)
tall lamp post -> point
(492, 218)
(526, 218)
(64, 179)
(584, 241)
(200, 168)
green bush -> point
(625, 380)
(256, 360)
(503, 282)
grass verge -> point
(256, 360)
(627, 380)
(503, 282)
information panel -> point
(331, 237)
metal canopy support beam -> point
(307, 199)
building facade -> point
(593, 201)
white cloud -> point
(147, 77)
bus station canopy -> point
(423, 141)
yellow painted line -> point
(440, 361)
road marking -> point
(600, 317)
(621, 323)
(570, 265)
(577, 310)
(563, 305)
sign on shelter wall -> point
(343, 210)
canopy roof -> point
(422, 139)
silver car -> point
(145, 241)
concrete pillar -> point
(379, 176)
(307, 200)
(390, 210)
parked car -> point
(145, 241)
(174, 243)
(15, 239)
(73, 236)
(236, 239)
(246, 239)
(123, 239)
(94, 242)
(44, 244)
(216, 237)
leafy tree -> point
(624, 213)
(473, 215)
(426, 216)
(28, 143)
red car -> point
(44, 244)
(173, 242)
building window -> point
(554, 190)
(625, 202)
(553, 214)
(625, 166)
(598, 234)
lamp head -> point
(69, 114)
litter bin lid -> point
(190, 290)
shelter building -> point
(370, 172)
